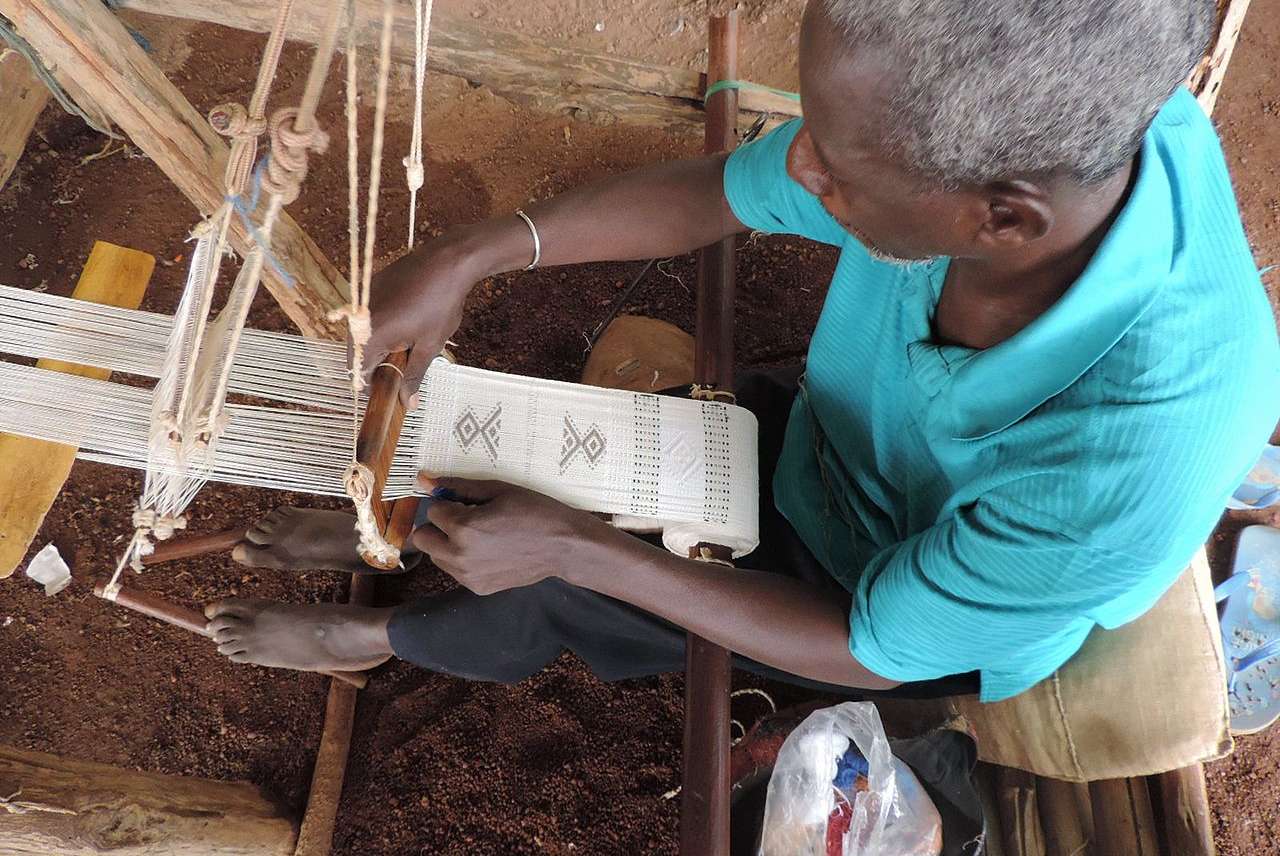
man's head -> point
(963, 127)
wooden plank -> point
(1188, 825)
(1019, 816)
(87, 46)
(527, 70)
(984, 779)
(1206, 79)
(1065, 816)
(32, 472)
(59, 807)
(1123, 821)
(23, 97)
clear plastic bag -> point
(837, 790)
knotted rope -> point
(360, 484)
(245, 125)
(290, 143)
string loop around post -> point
(287, 167)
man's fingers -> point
(414, 371)
(446, 516)
(464, 490)
(431, 541)
(374, 354)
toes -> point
(230, 649)
(260, 534)
(255, 556)
(269, 524)
(240, 657)
(225, 628)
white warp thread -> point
(689, 465)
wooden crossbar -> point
(540, 73)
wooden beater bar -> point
(376, 447)
(704, 809)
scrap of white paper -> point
(48, 568)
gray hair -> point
(997, 89)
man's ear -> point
(1016, 212)
(805, 167)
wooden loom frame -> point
(92, 55)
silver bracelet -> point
(537, 242)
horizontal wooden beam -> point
(85, 44)
(537, 72)
(23, 96)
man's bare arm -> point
(657, 211)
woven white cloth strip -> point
(690, 465)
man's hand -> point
(417, 303)
(499, 536)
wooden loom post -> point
(1188, 825)
(23, 96)
(375, 448)
(704, 809)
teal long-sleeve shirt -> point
(988, 508)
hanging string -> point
(360, 482)
(415, 174)
(204, 353)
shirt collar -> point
(978, 393)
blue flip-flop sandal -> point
(1251, 630)
(1261, 488)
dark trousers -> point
(511, 635)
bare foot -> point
(311, 637)
(302, 539)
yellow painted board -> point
(32, 472)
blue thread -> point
(246, 209)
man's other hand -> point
(492, 536)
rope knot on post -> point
(360, 484)
(233, 120)
(287, 166)
(414, 173)
(162, 526)
(360, 326)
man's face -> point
(837, 157)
